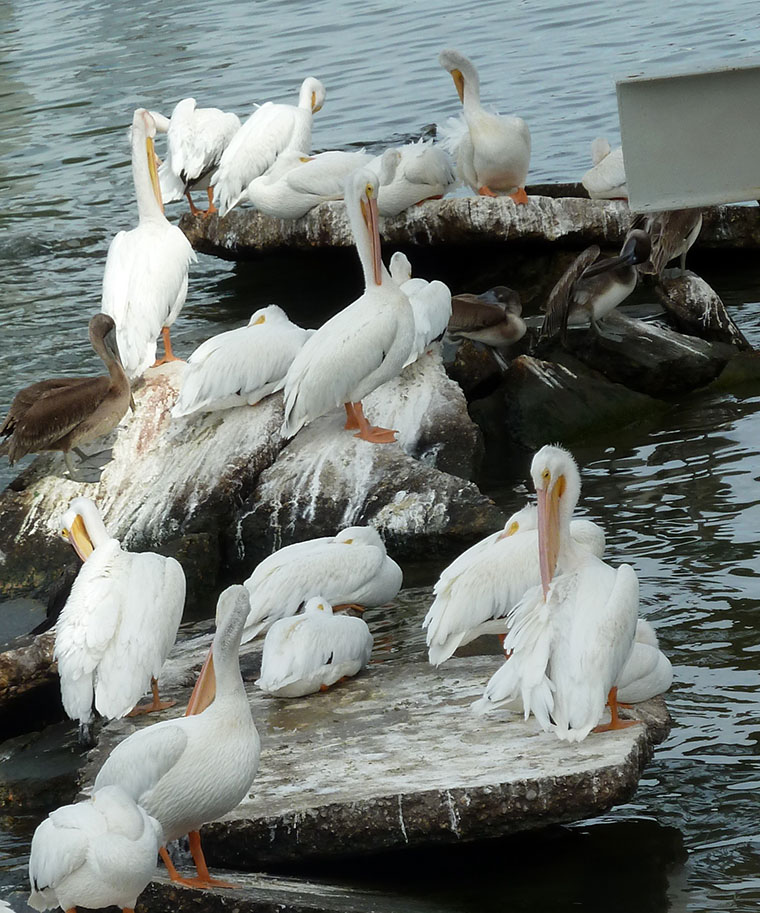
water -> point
(678, 496)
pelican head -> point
(557, 481)
(636, 247)
(462, 71)
(361, 205)
(318, 605)
(401, 268)
(272, 313)
(83, 527)
(520, 521)
(360, 535)
(102, 332)
(312, 95)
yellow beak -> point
(153, 169)
(548, 531)
(371, 220)
(80, 539)
(456, 75)
(204, 691)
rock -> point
(26, 666)
(694, 308)
(475, 368)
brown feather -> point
(558, 303)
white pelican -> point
(590, 288)
(313, 651)
(493, 318)
(145, 279)
(271, 130)
(476, 592)
(97, 853)
(351, 568)
(361, 347)
(431, 304)
(189, 771)
(196, 139)
(673, 232)
(606, 179)
(493, 152)
(648, 671)
(119, 622)
(411, 174)
(63, 412)
(298, 182)
(240, 366)
(571, 636)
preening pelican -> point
(648, 672)
(350, 568)
(298, 182)
(673, 232)
(431, 304)
(196, 139)
(606, 179)
(591, 288)
(476, 592)
(410, 174)
(493, 152)
(189, 771)
(493, 318)
(313, 651)
(64, 412)
(119, 622)
(145, 279)
(97, 853)
(240, 366)
(271, 130)
(571, 636)
(361, 347)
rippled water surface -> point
(678, 496)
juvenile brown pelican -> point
(590, 288)
(492, 318)
(672, 233)
(64, 412)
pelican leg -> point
(211, 208)
(352, 423)
(168, 354)
(372, 433)
(437, 196)
(615, 721)
(204, 879)
(173, 873)
(155, 705)
(486, 191)
(348, 605)
(71, 468)
(193, 208)
(519, 196)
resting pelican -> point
(196, 139)
(606, 179)
(298, 182)
(571, 636)
(189, 771)
(64, 412)
(313, 651)
(271, 130)
(97, 853)
(493, 318)
(119, 622)
(648, 671)
(361, 347)
(411, 174)
(493, 152)
(673, 232)
(145, 279)
(476, 592)
(431, 304)
(351, 568)
(591, 288)
(240, 366)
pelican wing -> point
(59, 847)
(558, 304)
(198, 147)
(325, 175)
(425, 163)
(431, 305)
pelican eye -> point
(321, 607)
(369, 190)
(65, 533)
(546, 475)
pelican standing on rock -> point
(673, 233)
(271, 130)
(361, 347)
(64, 412)
(493, 153)
(118, 624)
(189, 771)
(145, 279)
(493, 318)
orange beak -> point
(205, 688)
(371, 220)
(548, 531)
(509, 531)
(79, 539)
(456, 75)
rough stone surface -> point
(27, 666)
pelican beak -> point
(456, 75)
(371, 220)
(204, 691)
(153, 169)
(509, 531)
(112, 345)
(79, 539)
(314, 106)
(548, 530)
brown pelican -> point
(672, 233)
(64, 412)
(492, 318)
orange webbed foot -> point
(485, 191)
(519, 196)
(376, 435)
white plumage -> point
(350, 568)
(430, 301)
(365, 344)
(492, 150)
(271, 130)
(119, 622)
(605, 180)
(97, 853)
(313, 651)
(145, 278)
(647, 672)
(240, 366)
(410, 174)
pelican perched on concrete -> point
(118, 624)
(673, 232)
(605, 180)
(97, 853)
(186, 772)
(411, 174)
(591, 288)
(492, 150)
(351, 568)
(271, 130)
(240, 366)
(493, 318)
(64, 412)
(313, 651)
(145, 279)
(431, 304)
(361, 347)
(571, 636)
(476, 592)
(196, 139)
